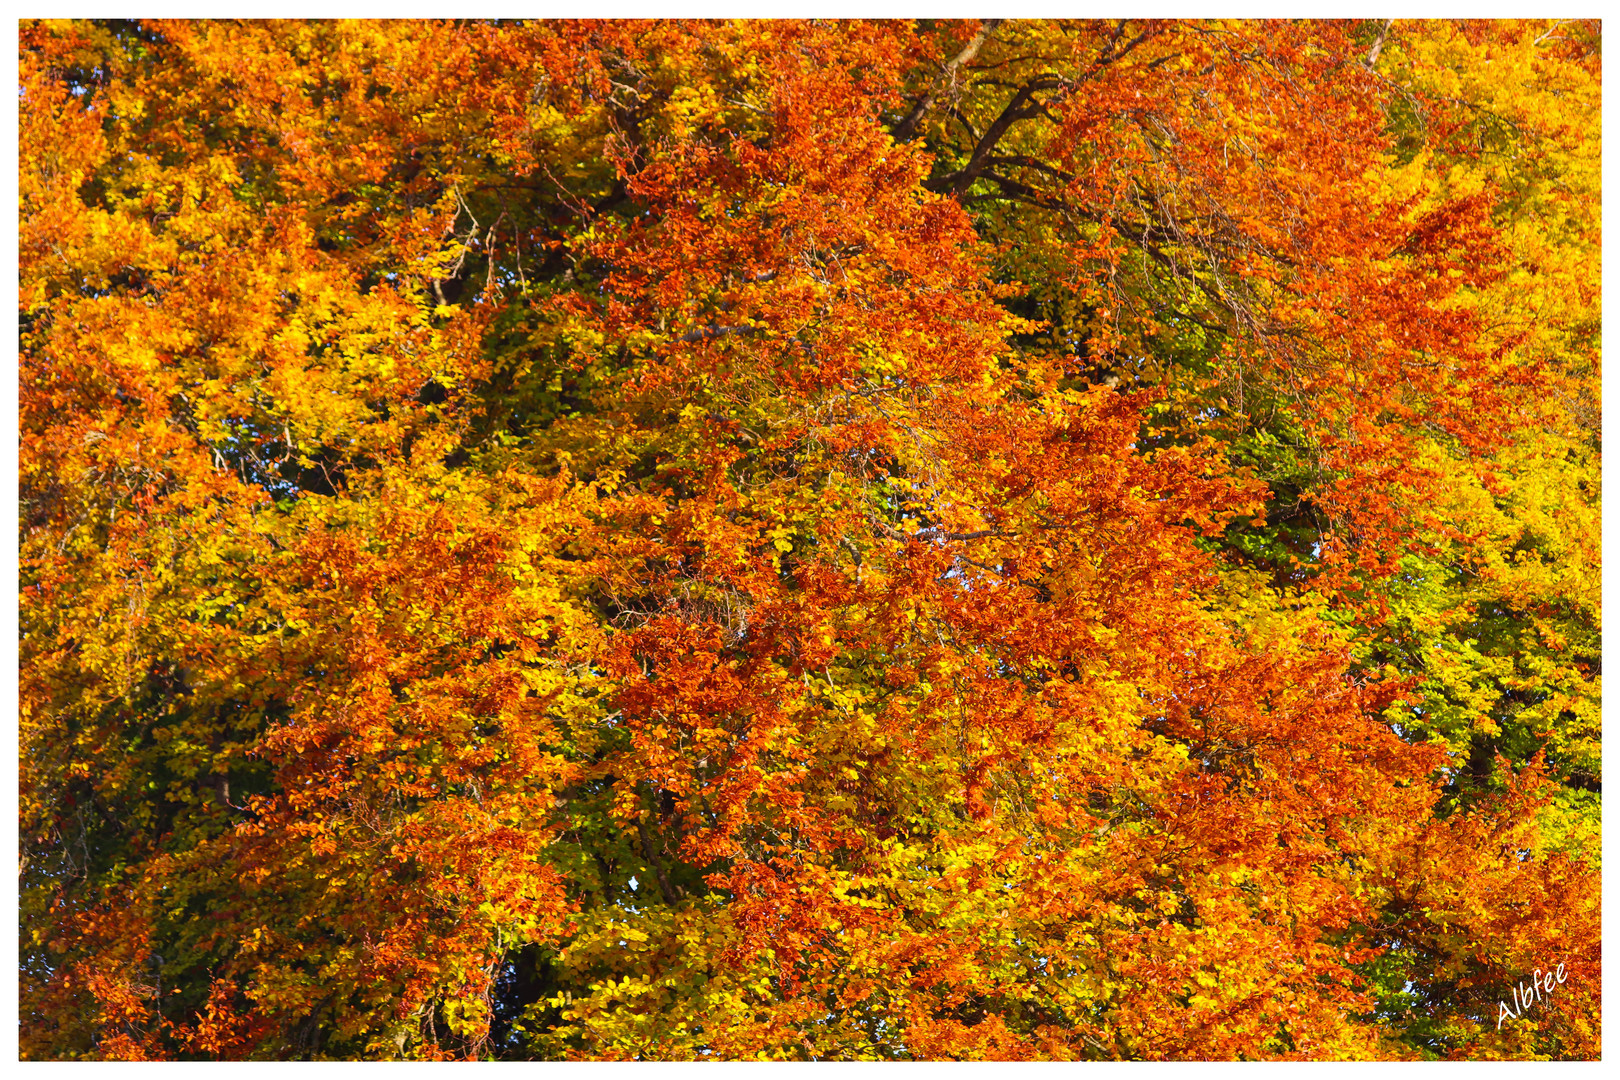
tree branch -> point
(906, 129)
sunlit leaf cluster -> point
(809, 540)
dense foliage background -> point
(812, 540)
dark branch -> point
(906, 129)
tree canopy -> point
(798, 539)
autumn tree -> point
(898, 540)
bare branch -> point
(1378, 46)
